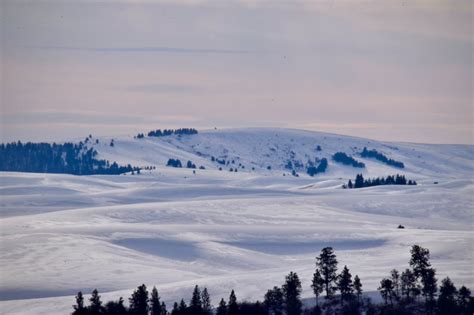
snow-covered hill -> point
(245, 230)
(256, 149)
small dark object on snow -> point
(436, 183)
(401, 226)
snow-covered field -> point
(243, 230)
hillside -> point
(257, 149)
(245, 230)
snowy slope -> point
(246, 230)
(262, 147)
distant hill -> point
(281, 151)
(272, 150)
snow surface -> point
(226, 230)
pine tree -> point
(359, 181)
(327, 264)
(317, 285)
(291, 293)
(182, 307)
(222, 308)
(274, 301)
(164, 311)
(232, 307)
(429, 288)
(349, 184)
(206, 302)
(95, 307)
(408, 283)
(465, 301)
(419, 260)
(357, 288)
(175, 310)
(386, 290)
(447, 297)
(195, 305)
(345, 285)
(155, 305)
(395, 277)
(79, 308)
(139, 301)
(115, 308)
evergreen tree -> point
(395, 277)
(317, 285)
(195, 305)
(79, 308)
(175, 310)
(359, 181)
(429, 288)
(419, 260)
(386, 290)
(222, 308)
(291, 293)
(327, 264)
(345, 285)
(232, 307)
(358, 288)
(274, 301)
(182, 307)
(206, 302)
(465, 301)
(139, 301)
(115, 308)
(408, 283)
(164, 311)
(95, 307)
(447, 297)
(155, 305)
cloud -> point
(162, 88)
(150, 49)
(346, 66)
(87, 118)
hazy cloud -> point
(340, 66)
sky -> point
(387, 70)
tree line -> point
(343, 294)
(381, 157)
(169, 132)
(345, 159)
(67, 158)
(360, 182)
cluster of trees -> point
(381, 157)
(360, 182)
(222, 162)
(169, 132)
(401, 292)
(174, 163)
(321, 168)
(68, 158)
(277, 300)
(343, 158)
(327, 280)
(343, 295)
(177, 163)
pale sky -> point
(387, 70)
